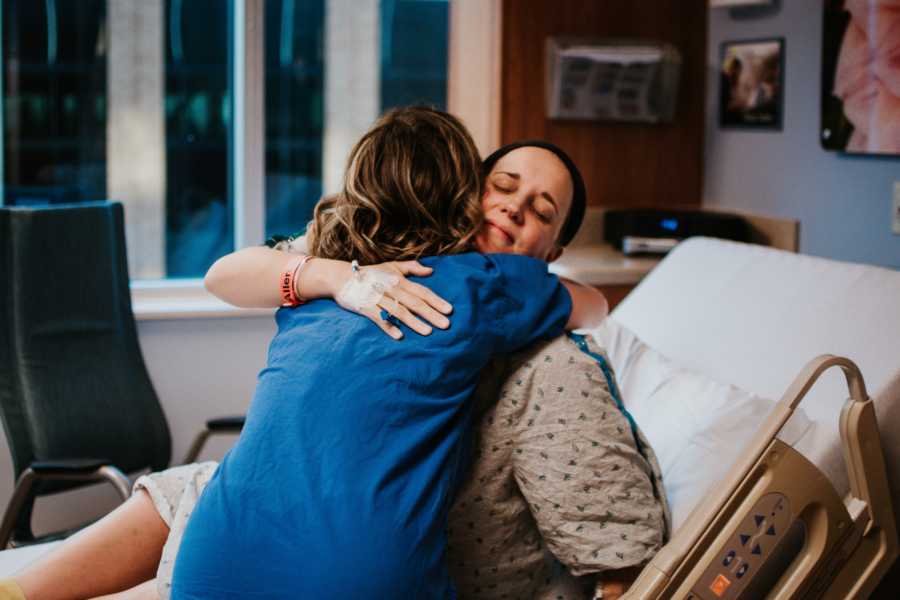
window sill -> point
(183, 299)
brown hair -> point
(412, 188)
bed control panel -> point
(747, 551)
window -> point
(127, 101)
(54, 102)
(199, 222)
(331, 68)
(295, 71)
(140, 102)
(414, 53)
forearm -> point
(589, 305)
(251, 278)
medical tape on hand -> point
(366, 289)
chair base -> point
(51, 471)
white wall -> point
(201, 368)
(843, 203)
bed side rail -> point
(865, 550)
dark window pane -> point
(54, 101)
(414, 70)
(294, 31)
(199, 213)
(56, 109)
(414, 52)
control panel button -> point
(729, 558)
(744, 539)
(742, 570)
(770, 530)
(756, 550)
(720, 585)
(759, 519)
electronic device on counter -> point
(632, 244)
(656, 231)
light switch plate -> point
(895, 209)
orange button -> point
(719, 585)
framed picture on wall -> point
(861, 77)
(751, 84)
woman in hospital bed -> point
(133, 522)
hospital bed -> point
(702, 348)
(787, 499)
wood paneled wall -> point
(623, 164)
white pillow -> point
(698, 427)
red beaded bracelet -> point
(289, 295)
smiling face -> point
(526, 200)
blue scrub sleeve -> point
(536, 305)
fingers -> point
(408, 303)
(420, 308)
(387, 327)
(413, 267)
(426, 295)
(396, 309)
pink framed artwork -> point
(861, 77)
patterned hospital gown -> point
(559, 491)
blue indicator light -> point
(670, 224)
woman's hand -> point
(613, 590)
(383, 294)
(614, 584)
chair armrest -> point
(78, 469)
(75, 469)
(232, 424)
(226, 424)
(67, 466)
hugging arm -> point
(251, 278)
(589, 305)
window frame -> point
(156, 299)
(474, 64)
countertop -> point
(601, 264)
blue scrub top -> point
(341, 481)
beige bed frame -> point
(777, 529)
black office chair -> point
(76, 401)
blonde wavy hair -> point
(412, 188)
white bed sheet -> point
(697, 426)
(13, 560)
(753, 317)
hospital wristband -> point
(289, 279)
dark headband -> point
(579, 195)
